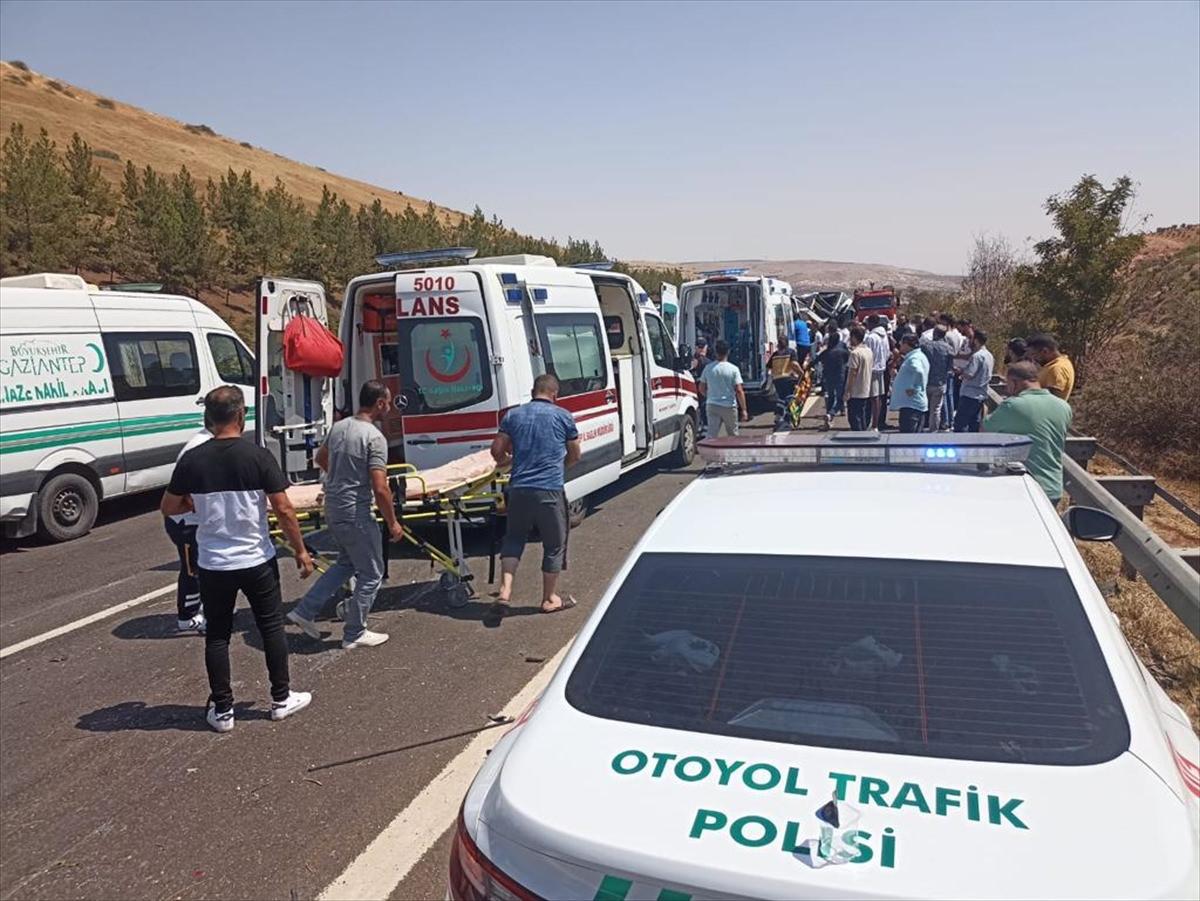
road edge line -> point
(392, 854)
(86, 621)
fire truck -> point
(874, 301)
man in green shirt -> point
(1032, 410)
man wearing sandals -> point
(540, 439)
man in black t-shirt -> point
(228, 482)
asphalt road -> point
(113, 786)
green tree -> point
(90, 235)
(37, 209)
(235, 204)
(1077, 278)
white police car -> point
(888, 679)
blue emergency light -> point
(713, 272)
(598, 265)
(422, 257)
(867, 449)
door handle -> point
(610, 396)
(421, 441)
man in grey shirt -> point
(354, 457)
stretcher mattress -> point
(442, 478)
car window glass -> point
(966, 661)
(660, 344)
(573, 351)
(233, 364)
(152, 365)
(443, 363)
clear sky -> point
(885, 133)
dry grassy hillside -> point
(117, 132)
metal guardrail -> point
(1157, 562)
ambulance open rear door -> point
(669, 307)
(294, 410)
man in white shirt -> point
(881, 351)
(958, 345)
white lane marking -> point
(86, 621)
(377, 871)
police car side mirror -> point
(1090, 524)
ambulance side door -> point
(666, 385)
(449, 400)
(293, 410)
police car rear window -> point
(964, 661)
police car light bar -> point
(598, 265)
(421, 257)
(712, 272)
(867, 449)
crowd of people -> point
(933, 374)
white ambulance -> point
(99, 391)
(460, 344)
(750, 312)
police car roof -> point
(897, 513)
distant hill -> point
(118, 132)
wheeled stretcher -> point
(468, 491)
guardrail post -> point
(1135, 492)
(1081, 450)
(1191, 556)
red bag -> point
(311, 349)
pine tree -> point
(36, 206)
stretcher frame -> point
(478, 501)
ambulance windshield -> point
(966, 661)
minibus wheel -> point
(577, 511)
(686, 452)
(67, 507)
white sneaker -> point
(307, 626)
(220, 722)
(368, 639)
(196, 624)
(293, 703)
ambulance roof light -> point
(598, 265)
(735, 271)
(867, 449)
(424, 257)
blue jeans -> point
(967, 416)
(833, 397)
(360, 554)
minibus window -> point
(146, 366)
(234, 365)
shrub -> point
(59, 87)
(106, 155)
(247, 145)
(201, 130)
(19, 64)
(105, 103)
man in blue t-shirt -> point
(803, 339)
(541, 440)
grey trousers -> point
(529, 507)
(718, 417)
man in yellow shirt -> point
(1057, 374)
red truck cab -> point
(874, 301)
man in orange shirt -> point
(1057, 374)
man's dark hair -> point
(545, 385)
(939, 332)
(1017, 348)
(722, 349)
(858, 333)
(981, 336)
(908, 338)
(371, 393)
(783, 342)
(946, 318)
(1041, 341)
(873, 320)
(964, 323)
(1023, 371)
(834, 339)
(223, 404)
(927, 323)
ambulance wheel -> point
(577, 511)
(67, 507)
(686, 452)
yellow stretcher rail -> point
(475, 501)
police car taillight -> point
(867, 449)
(475, 878)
